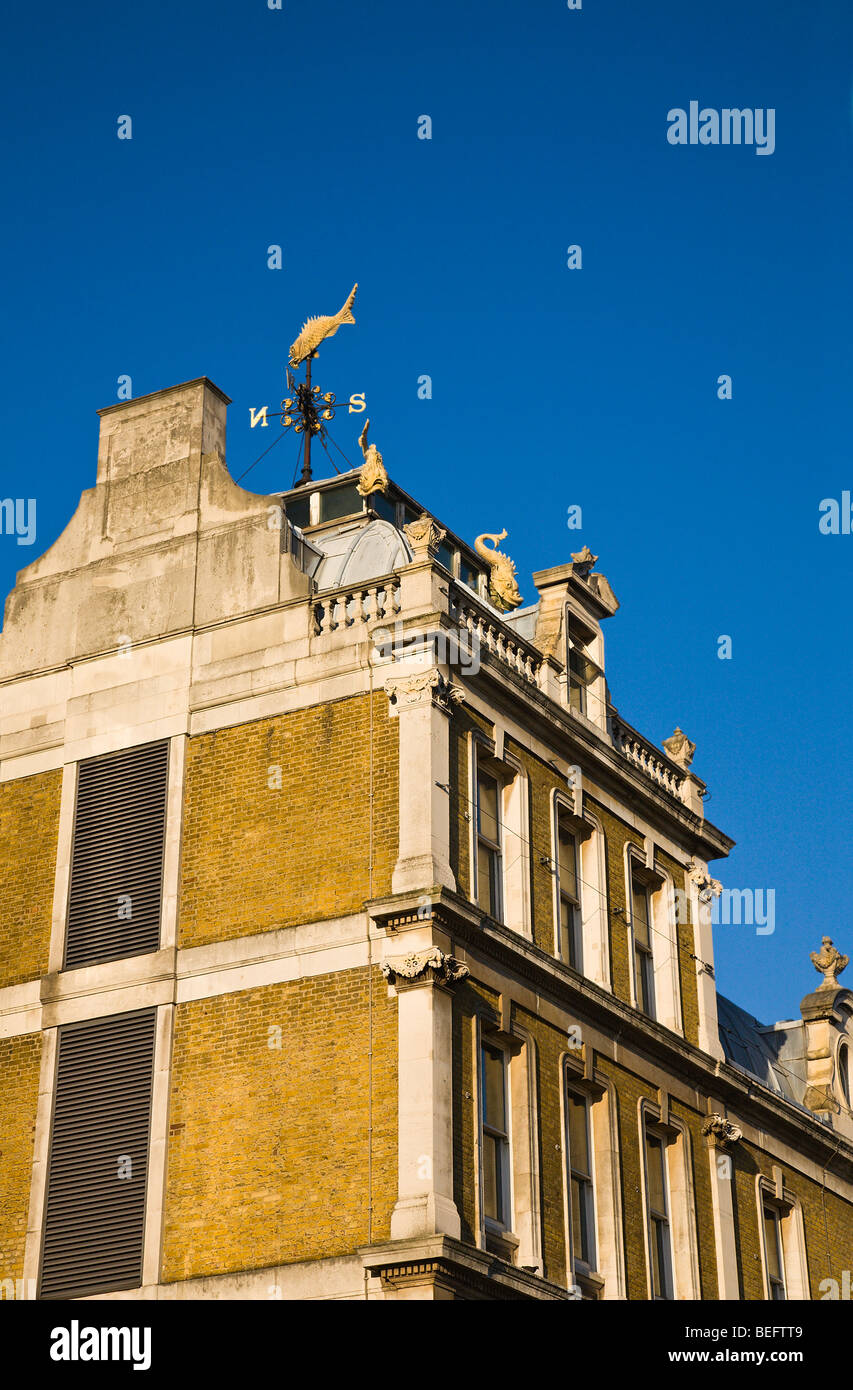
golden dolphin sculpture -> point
(503, 586)
(315, 330)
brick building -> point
(353, 945)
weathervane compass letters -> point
(307, 407)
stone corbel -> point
(424, 687)
(707, 887)
(721, 1133)
(430, 967)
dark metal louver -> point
(117, 856)
(98, 1164)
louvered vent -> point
(117, 858)
(98, 1163)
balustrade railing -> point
(647, 758)
(356, 605)
(486, 631)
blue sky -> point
(551, 387)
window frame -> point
(502, 1139)
(844, 1067)
(657, 1221)
(642, 952)
(581, 637)
(510, 853)
(574, 958)
(791, 1231)
(772, 1211)
(492, 849)
(580, 1264)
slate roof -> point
(772, 1055)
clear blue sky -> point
(551, 387)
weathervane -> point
(307, 408)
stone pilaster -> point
(701, 889)
(721, 1136)
(422, 701)
(424, 981)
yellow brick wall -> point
(270, 1149)
(29, 823)
(255, 856)
(20, 1063)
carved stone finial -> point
(425, 967)
(372, 476)
(720, 1132)
(679, 748)
(424, 534)
(584, 561)
(503, 586)
(830, 962)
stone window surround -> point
(663, 929)
(171, 849)
(776, 1194)
(681, 1199)
(513, 785)
(608, 1279)
(522, 1246)
(597, 689)
(592, 886)
(844, 1071)
(165, 1013)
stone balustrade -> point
(356, 605)
(485, 630)
(654, 764)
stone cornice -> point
(441, 1259)
(465, 924)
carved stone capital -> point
(679, 747)
(430, 967)
(424, 535)
(721, 1133)
(424, 687)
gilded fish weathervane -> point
(316, 330)
(307, 408)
